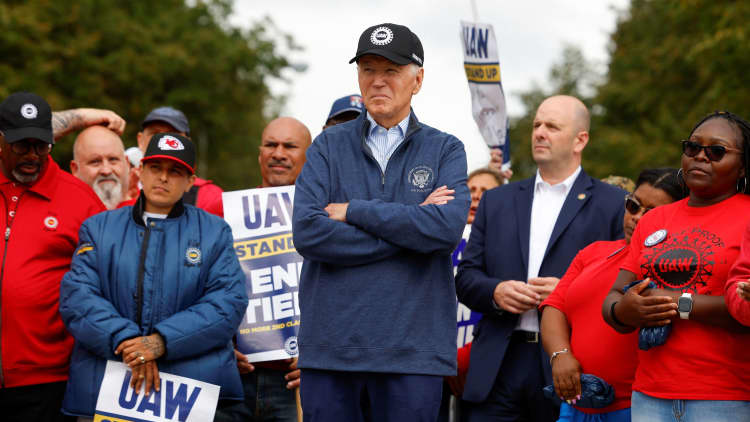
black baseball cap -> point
(170, 115)
(25, 115)
(171, 146)
(394, 42)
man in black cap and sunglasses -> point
(378, 209)
(42, 209)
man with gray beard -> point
(99, 160)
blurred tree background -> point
(671, 63)
(131, 56)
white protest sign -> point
(179, 399)
(261, 222)
(482, 68)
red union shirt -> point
(698, 361)
(39, 226)
(599, 349)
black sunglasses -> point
(23, 147)
(633, 206)
(713, 152)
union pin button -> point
(655, 238)
(581, 196)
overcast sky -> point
(530, 36)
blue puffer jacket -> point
(179, 277)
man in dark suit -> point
(525, 234)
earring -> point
(744, 184)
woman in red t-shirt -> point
(573, 331)
(686, 248)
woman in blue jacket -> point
(157, 285)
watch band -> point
(686, 314)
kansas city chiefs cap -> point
(171, 146)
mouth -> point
(697, 171)
(28, 168)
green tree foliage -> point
(131, 56)
(672, 62)
(572, 75)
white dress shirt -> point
(545, 208)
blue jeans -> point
(569, 413)
(650, 409)
(266, 399)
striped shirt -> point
(383, 142)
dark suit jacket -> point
(498, 250)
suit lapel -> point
(524, 196)
(578, 196)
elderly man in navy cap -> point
(378, 209)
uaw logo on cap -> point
(421, 176)
(193, 255)
(355, 101)
(382, 35)
(170, 143)
(29, 111)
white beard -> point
(109, 193)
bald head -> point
(99, 161)
(559, 136)
(576, 110)
(282, 151)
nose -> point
(702, 155)
(638, 215)
(278, 153)
(106, 168)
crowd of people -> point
(597, 303)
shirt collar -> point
(566, 184)
(402, 125)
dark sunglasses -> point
(633, 206)
(23, 148)
(713, 152)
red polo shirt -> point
(39, 227)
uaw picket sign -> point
(179, 399)
(466, 319)
(261, 222)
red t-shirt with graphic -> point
(698, 361)
(599, 349)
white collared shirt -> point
(383, 142)
(545, 208)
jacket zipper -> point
(2, 276)
(141, 273)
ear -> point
(191, 181)
(142, 141)
(582, 139)
(419, 78)
(74, 168)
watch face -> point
(684, 304)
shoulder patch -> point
(84, 247)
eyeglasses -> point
(633, 206)
(23, 148)
(713, 152)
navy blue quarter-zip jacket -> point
(377, 292)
